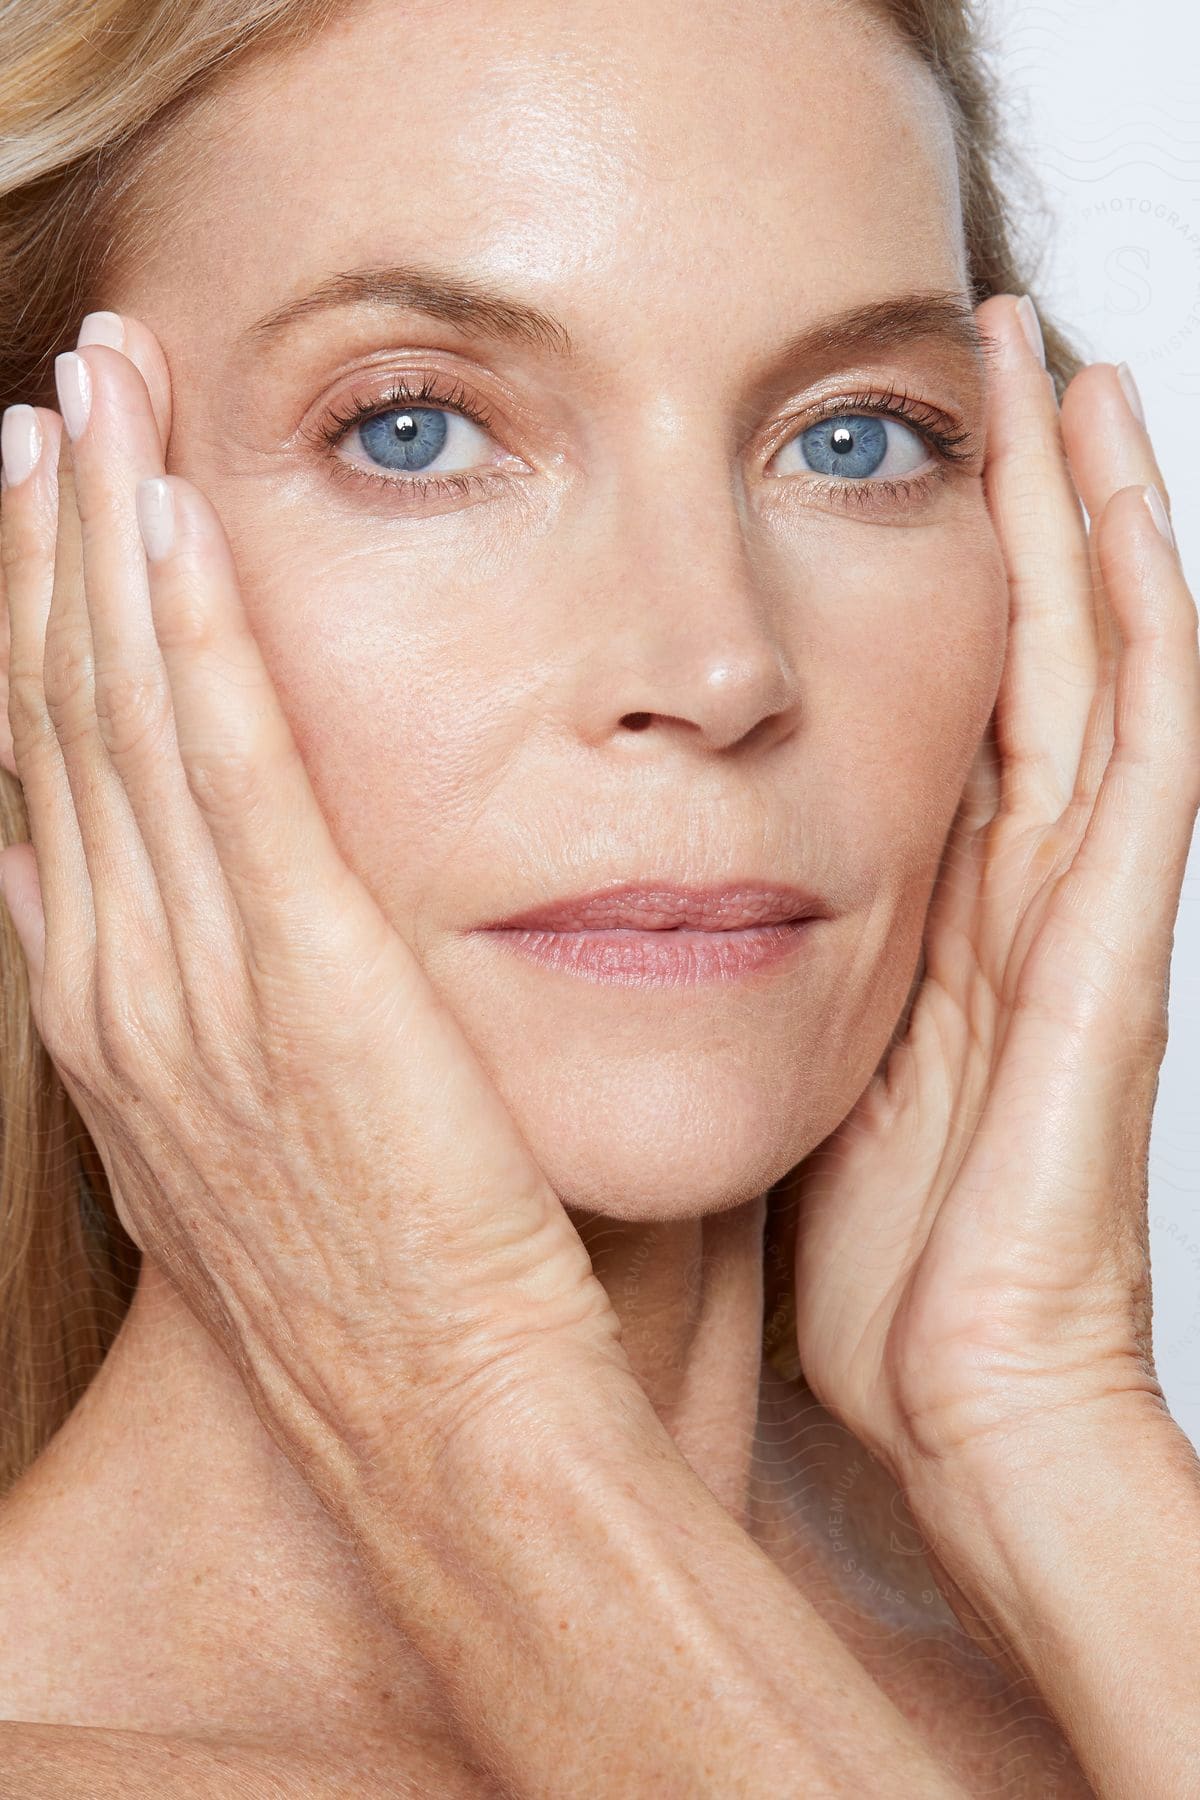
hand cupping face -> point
(986, 1198)
(246, 1036)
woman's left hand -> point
(972, 1262)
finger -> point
(1106, 440)
(1124, 884)
(21, 892)
(1048, 686)
(1108, 449)
(139, 344)
(165, 918)
(292, 888)
(131, 936)
(28, 529)
(135, 341)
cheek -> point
(914, 667)
(389, 692)
(918, 668)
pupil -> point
(842, 440)
(406, 427)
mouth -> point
(642, 935)
(645, 906)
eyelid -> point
(416, 388)
(953, 443)
(531, 426)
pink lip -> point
(653, 936)
(647, 906)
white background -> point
(1104, 100)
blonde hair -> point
(87, 92)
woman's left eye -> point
(860, 447)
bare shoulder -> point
(87, 1762)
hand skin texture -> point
(297, 1131)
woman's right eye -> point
(410, 439)
(424, 436)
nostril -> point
(637, 721)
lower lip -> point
(674, 958)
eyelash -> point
(953, 448)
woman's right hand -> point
(292, 1122)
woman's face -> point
(633, 631)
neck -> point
(689, 1295)
(172, 1531)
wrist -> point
(1076, 1549)
(1017, 1516)
(435, 1463)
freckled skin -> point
(685, 188)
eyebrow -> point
(876, 326)
(458, 299)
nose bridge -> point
(686, 614)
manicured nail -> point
(20, 443)
(1129, 388)
(74, 386)
(155, 510)
(102, 328)
(1159, 513)
(1031, 326)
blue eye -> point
(408, 429)
(861, 445)
(407, 439)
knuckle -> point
(186, 622)
(133, 1035)
(228, 1066)
(132, 710)
(24, 556)
(224, 781)
(90, 502)
(66, 673)
(64, 1025)
(27, 707)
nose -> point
(691, 609)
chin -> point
(656, 1151)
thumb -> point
(22, 894)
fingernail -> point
(1031, 326)
(102, 328)
(1159, 513)
(155, 510)
(1129, 388)
(20, 443)
(74, 386)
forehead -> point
(621, 154)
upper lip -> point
(660, 906)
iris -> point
(845, 445)
(405, 439)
